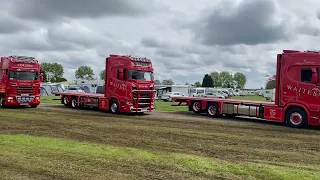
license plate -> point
(24, 94)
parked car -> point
(168, 96)
(213, 95)
(74, 89)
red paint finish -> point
(297, 87)
(128, 83)
(20, 80)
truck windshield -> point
(23, 75)
(140, 75)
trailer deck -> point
(232, 101)
(93, 95)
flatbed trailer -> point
(216, 107)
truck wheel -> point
(296, 118)
(212, 110)
(1, 102)
(114, 107)
(34, 106)
(74, 103)
(65, 101)
(196, 107)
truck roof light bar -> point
(140, 59)
(23, 59)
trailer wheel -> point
(74, 103)
(296, 118)
(65, 101)
(212, 110)
(114, 107)
(1, 102)
(196, 106)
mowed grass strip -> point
(208, 149)
(39, 157)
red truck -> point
(297, 94)
(20, 80)
(129, 87)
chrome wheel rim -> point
(212, 110)
(296, 118)
(196, 106)
(114, 107)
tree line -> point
(223, 79)
(53, 72)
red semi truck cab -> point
(20, 80)
(297, 94)
(130, 81)
(129, 87)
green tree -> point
(216, 79)
(157, 82)
(102, 74)
(207, 81)
(167, 82)
(241, 79)
(53, 71)
(84, 72)
(271, 84)
(61, 79)
(197, 84)
(226, 79)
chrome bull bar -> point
(136, 107)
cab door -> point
(308, 92)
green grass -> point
(67, 144)
(51, 99)
(250, 98)
(160, 105)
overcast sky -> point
(184, 38)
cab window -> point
(306, 75)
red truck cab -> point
(20, 80)
(297, 94)
(129, 87)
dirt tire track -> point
(157, 114)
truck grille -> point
(145, 98)
(25, 90)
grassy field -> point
(160, 105)
(65, 144)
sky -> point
(185, 39)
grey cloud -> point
(153, 42)
(308, 29)
(249, 22)
(47, 10)
(11, 25)
(169, 53)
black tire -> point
(65, 101)
(301, 118)
(212, 110)
(34, 106)
(196, 107)
(114, 107)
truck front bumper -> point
(14, 101)
(146, 109)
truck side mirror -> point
(120, 74)
(41, 77)
(315, 77)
